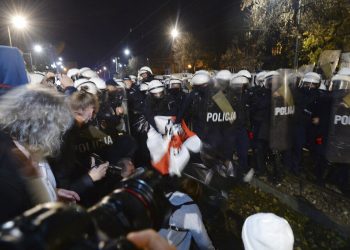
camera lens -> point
(135, 206)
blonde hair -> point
(82, 100)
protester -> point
(12, 69)
(32, 121)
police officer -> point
(175, 94)
(274, 134)
(157, 103)
(145, 74)
(306, 97)
(216, 115)
(259, 113)
(240, 99)
(338, 142)
(194, 107)
(136, 96)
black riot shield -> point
(224, 112)
(338, 144)
(282, 111)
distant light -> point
(127, 52)
(19, 22)
(174, 33)
(104, 68)
(113, 60)
(62, 67)
(53, 65)
(60, 59)
(65, 69)
(189, 66)
(38, 48)
(59, 63)
(120, 65)
(124, 65)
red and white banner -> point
(170, 148)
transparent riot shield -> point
(328, 62)
(282, 111)
(224, 118)
(338, 144)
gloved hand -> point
(319, 140)
(250, 135)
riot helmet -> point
(144, 86)
(272, 80)
(311, 80)
(174, 85)
(238, 81)
(82, 70)
(200, 79)
(73, 73)
(156, 88)
(100, 83)
(84, 84)
(340, 82)
(244, 73)
(242, 77)
(223, 78)
(145, 72)
(88, 73)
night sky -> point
(91, 32)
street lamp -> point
(127, 52)
(38, 48)
(174, 33)
(19, 22)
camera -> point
(112, 170)
(140, 203)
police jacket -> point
(159, 107)
(72, 165)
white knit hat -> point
(267, 231)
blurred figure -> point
(32, 122)
(12, 69)
(267, 231)
(186, 229)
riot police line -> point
(275, 113)
(278, 109)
